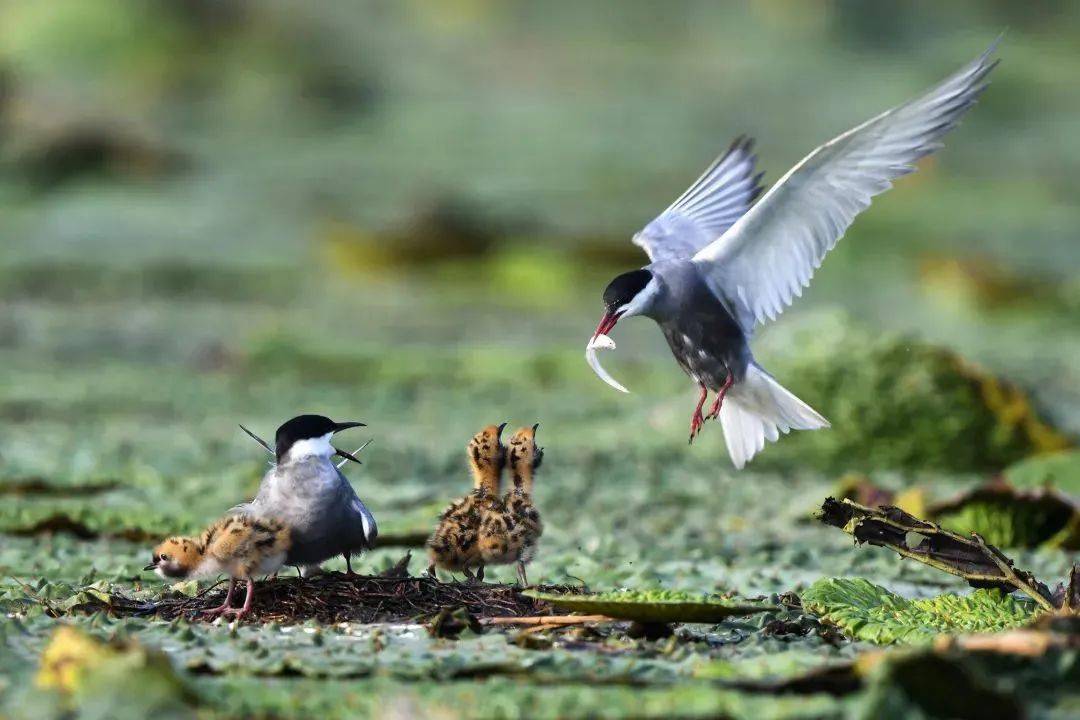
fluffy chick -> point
(454, 546)
(510, 534)
(239, 546)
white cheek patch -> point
(602, 342)
(319, 447)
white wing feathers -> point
(762, 263)
(708, 207)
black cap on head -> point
(305, 427)
(625, 288)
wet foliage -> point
(231, 212)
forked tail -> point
(759, 409)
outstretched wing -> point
(768, 256)
(708, 207)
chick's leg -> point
(714, 412)
(224, 607)
(249, 597)
(522, 579)
(696, 420)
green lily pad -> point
(653, 606)
(1060, 471)
(865, 611)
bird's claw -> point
(219, 610)
(696, 422)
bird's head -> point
(632, 293)
(525, 455)
(307, 435)
(175, 557)
(487, 455)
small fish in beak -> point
(600, 341)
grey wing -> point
(768, 256)
(357, 508)
(708, 207)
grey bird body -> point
(704, 337)
(317, 501)
(723, 262)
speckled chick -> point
(454, 546)
(239, 546)
(510, 534)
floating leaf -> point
(1060, 471)
(653, 606)
(1009, 517)
(112, 680)
(866, 611)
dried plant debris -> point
(972, 558)
(336, 597)
(1034, 510)
(654, 606)
(869, 612)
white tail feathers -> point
(758, 409)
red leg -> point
(696, 421)
(249, 597)
(714, 412)
(223, 607)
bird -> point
(238, 545)
(721, 264)
(305, 490)
(454, 545)
(510, 533)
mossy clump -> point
(896, 402)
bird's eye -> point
(164, 557)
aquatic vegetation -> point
(896, 401)
(866, 611)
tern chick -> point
(455, 544)
(308, 493)
(721, 265)
(510, 534)
(238, 546)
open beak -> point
(347, 456)
(607, 323)
(600, 340)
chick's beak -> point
(151, 566)
(607, 323)
(502, 426)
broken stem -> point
(1006, 568)
(547, 620)
(973, 559)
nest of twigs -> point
(337, 597)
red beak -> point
(606, 323)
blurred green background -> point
(405, 212)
